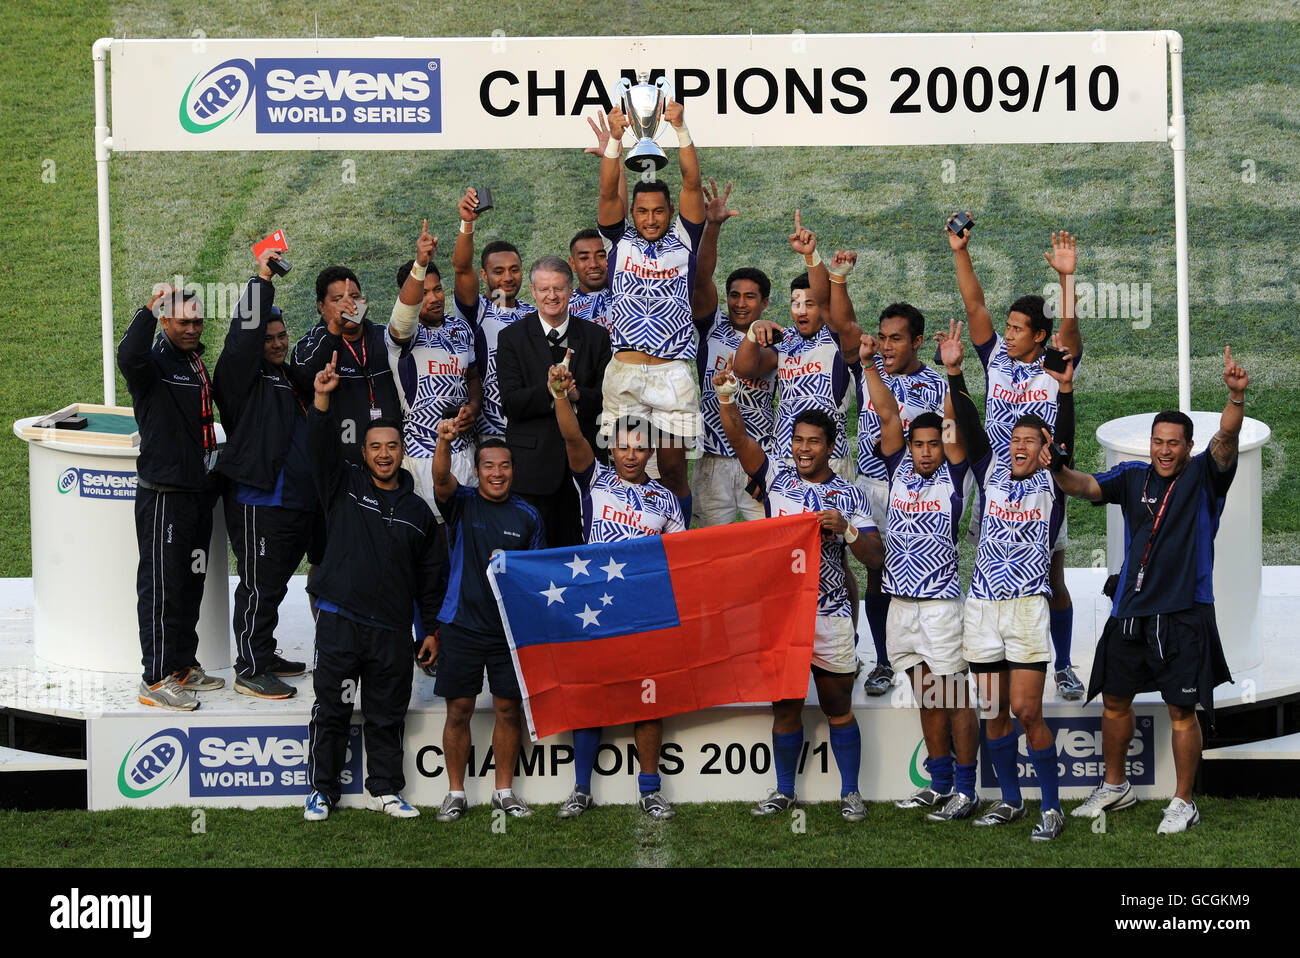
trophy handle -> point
(666, 92)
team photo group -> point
(639, 386)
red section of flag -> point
(746, 596)
(275, 241)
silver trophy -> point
(643, 106)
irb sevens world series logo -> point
(219, 95)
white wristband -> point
(613, 148)
(812, 259)
(683, 136)
(418, 272)
(850, 534)
(750, 335)
(466, 226)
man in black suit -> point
(526, 351)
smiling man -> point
(590, 265)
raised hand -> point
(425, 246)
(842, 263)
(617, 122)
(767, 332)
(447, 430)
(1067, 377)
(955, 241)
(1045, 453)
(559, 379)
(161, 291)
(1234, 377)
(1062, 256)
(264, 263)
(327, 380)
(867, 349)
(467, 203)
(600, 127)
(464, 419)
(724, 380)
(715, 203)
(950, 348)
(674, 113)
(802, 241)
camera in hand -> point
(1055, 360)
(960, 223)
(279, 267)
(484, 199)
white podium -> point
(1238, 555)
(85, 556)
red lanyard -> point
(1146, 553)
(362, 361)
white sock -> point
(455, 794)
(504, 792)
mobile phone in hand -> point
(960, 224)
(1055, 360)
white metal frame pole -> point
(1178, 143)
(103, 148)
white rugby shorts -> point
(925, 630)
(1012, 629)
(665, 394)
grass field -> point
(197, 214)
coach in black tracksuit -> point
(176, 491)
(271, 498)
(381, 557)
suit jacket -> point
(523, 360)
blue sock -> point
(786, 747)
(966, 779)
(1062, 633)
(1044, 760)
(1002, 753)
(877, 610)
(648, 783)
(586, 742)
(846, 746)
(686, 503)
(940, 770)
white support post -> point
(1178, 143)
(103, 148)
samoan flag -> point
(607, 634)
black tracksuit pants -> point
(173, 530)
(268, 543)
(349, 654)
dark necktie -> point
(557, 345)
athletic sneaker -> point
(1000, 813)
(318, 808)
(575, 804)
(284, 667)
(265, 686)
(511, 804)
(775, 802)
(168, 694)
(957, 807)
(1068, 685)
(393, 805)
(852, 807)
(452, 808)
(1179, 817)
(653, 804)
(1106, 798)
(196, 680)
(879, 680)
(1050, 824)
(925, 798)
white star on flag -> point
(606, 599)
(614, 570)
(588, 615)
(554, 594)
(579, 566)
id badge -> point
(375, 414)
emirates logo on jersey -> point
(452, 368)
(792, 370)
(1019, 394)
(1013, 512)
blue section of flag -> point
(591, 592)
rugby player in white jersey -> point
(719, 485)
(502, 273)
(652, 263)
(590, 265)
(619, 502)
(845, 517)
(1016, 383)
(1005, 623)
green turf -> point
(1234, 833)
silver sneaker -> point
(1106, 799)
(775, 802)
(1050, 824)
(1179, 817)
(168, 694)
(879, 680)
(452, 808)
(654, 805)
(575, 804)
(1000, 813)
(1068, 685)
(852, 807)
(512, 805)
(196, 680)
(925, 798)
(957, 807)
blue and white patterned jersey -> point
(650, 288)
(786, 494)
(921, 538)
(753, 396)
(811, 374)
(487, 321)
(917, 393)
(615, 511)
(1013, 388)
(1020, 522)
(430, 373)
(593, 307)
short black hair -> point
(815, 417)
(494, 247)
(633, 423)
(915, 318)
(404, 271)
(800, 282)
(584, 235)
(491, 442)
(1031, 419)
(330, 275)
(1175, 417)
(652, 186)
(927, 420)
(1032, 306)
(756, 276)
(382, 424)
